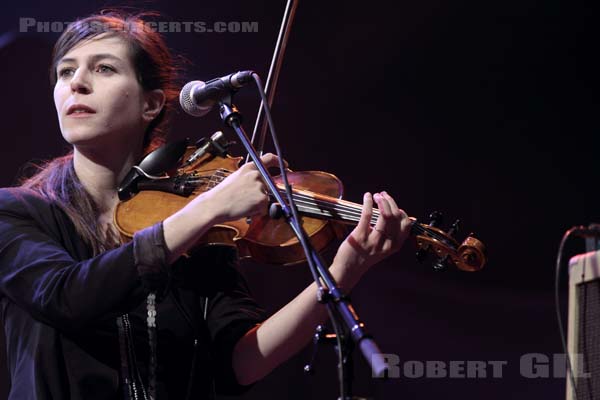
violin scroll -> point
(470, 255)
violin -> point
(317, 194)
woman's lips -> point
(80, 115)
(80, 111)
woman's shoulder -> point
(22, 200)
(21, 206)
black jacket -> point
(59, 308)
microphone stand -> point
(338, 305)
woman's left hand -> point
(368, 245)
(290, 328)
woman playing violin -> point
(74, 296)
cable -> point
(301, 237)
(295, 217)
(557, 306)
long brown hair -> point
(155, 67)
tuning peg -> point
(441, 264)
(454, 228)
(421, 254)
(436, 219)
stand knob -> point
(319, 336)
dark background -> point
(483, 110)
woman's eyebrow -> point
(94, 58)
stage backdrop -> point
(486, 111)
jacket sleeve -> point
(232, 312)
(232, 315)
(39, 275)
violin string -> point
(352, 212)
(222, 173)
(348, 211)
(310, 208)
(345, 210)
(355, 210)
(342, 204)
(355, 217)
(338, 204)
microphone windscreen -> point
(186, 102)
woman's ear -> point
(154, 101)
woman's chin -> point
(79, 140)
(94, 143)
(87, 139)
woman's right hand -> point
(241, 194)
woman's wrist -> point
(184, 228)
(347, 272)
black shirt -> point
(59, 307)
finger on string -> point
(393, 206)
(271, 160)
(384, 206)
(399, 213)
(366, 213)
(384, 214)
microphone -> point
(197, 98)
(592, 230)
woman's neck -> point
(101, 172)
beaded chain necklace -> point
(133, 384)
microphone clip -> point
(217, 145)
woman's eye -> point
(105, 69)
(65, 72)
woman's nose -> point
(80, 82)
